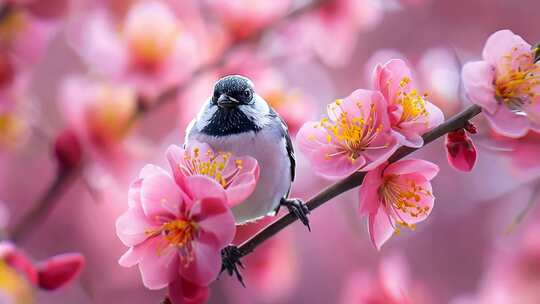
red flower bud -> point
(7, 71)
(460, 150)
(59, 270)
(67, 149)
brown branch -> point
(170, 93)
(45, 205)
(354, 180)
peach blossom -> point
(396, 195)
(411, 114)
(506, 84)
(356, 136)
(236, 175)
(175, 232)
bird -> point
(236, 119)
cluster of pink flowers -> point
(178, 222)
(362, 131)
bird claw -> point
(230, 261)
(298, 208)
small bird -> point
(236, 119)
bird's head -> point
(233, 108)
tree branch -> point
(45, 205)
(354, 180)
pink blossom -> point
(460, 150)
(397, 195)
(506, 84)
(411, 114)
(356, 135)
(237, 175)
(175, 231)
(242, 18)
(393, 284)
(99, 112)
(151, 49)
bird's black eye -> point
(247, 94)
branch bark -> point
(354, 180)
(45, 205)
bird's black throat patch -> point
(228, 122)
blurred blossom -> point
(150, 48)
(68, 150)
(238, 176)
(356, 135)
(100, 113)
(243, 18)
(521, 153)
(460, 150)
(50, 274)
(175, 231)
(439, 72)
(332, 30)
(14, 119)
(397, 195)
(506, 84)
(271, 272)
(514, 275)
(411, 114)
(392, 284)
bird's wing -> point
(288, 143)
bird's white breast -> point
(268, 147)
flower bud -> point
(460, 150)
(67, 149)
(59, 270)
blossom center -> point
(412, 103)
(353, 134)
(518, 87)
(217, 166)
(178, 233)
(10, 128)
(404, 197)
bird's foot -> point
(230, 261)
(298, 208)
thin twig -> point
(45, 205)
(354, 180)
(170, 93)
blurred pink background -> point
(463, 253)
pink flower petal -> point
(18, 260)
(207, 263)
(502, 43)
(160, 196)
(200, 186)
(380, 227)
(425, 200)
(160, 264)
(182, 291)
(214, 217)
(387, 78)
(418, 166)
(175, 156)
(244, 184)
(59, 270)
(478, 80)
(507, 123)
(369, 191)
(131, 227)
(134, 254)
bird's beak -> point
(225, 101)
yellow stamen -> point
(517, 87)
(353, 134)
(412, 103)
(180, 234)
(404, 198)
(214, 165)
